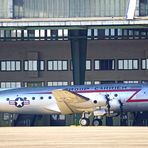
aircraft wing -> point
(70, 102)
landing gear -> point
(84, 121)
(97, 122)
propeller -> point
(107, 102)
(121, 108)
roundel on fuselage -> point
(19, 102)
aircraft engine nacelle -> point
(100, 101)
(114, 105)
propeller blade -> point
(121, 107)
(107, 102)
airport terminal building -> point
(66, 42)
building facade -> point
(42, 55)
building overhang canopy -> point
(74, 23)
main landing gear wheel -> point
(97, 122)
(84, 122)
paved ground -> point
(73, 137)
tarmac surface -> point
(73, 137)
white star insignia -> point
(19, 102)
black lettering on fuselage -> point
(96, 88)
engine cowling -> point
(100, 101)
(114, 105)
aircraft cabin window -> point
(116, 95)
(41, 98)
(7, 99)
(49, 97)
(25, 98)
(33, 98)
(95, 101)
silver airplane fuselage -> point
(40, 100)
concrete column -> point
(78, 40)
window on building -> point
(10, 65)
(128, 82)
(107, 82)
(33, 65)
(104, 64)
(57, 83)
(89, 33)
(128, 64)
(41, 66)
(144, 81)
(10, 84)
(87, 83)
(97, 82)
(54, 34)
(33, 84)
(57, 65)
(143, 7)
(88, 65)
(144, 64)
(62, 34)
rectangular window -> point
(33, 65)
(144, 64)
(65, 65)
(54, 34)
(10, 84)
(50, 66)
(127, 82)
(55, 65)
(58, 65)
(89, 33)
(97, 82)
(120, 64)
(112, 32)
(96, 32)
(87, 82)
(104, 64)
(41, 65)
(10, 65)
(128, 64)
(57, 83)
(88, 65)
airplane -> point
(97, 100)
